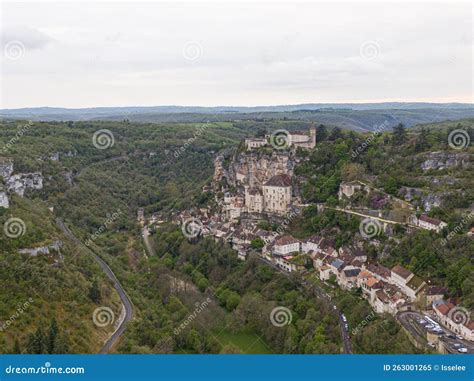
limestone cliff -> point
(255, 168)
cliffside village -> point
(257, 187)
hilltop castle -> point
(303, 139)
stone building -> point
(277, 194)
(303, 139)
(252, 143)
(253, 200)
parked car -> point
(429, 326)
(462, 350)
(456, 345)
(451, 336)
(422, 321)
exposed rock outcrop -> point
(6, 167)
(441, 160)
(255, 168)
(4, 203)
(24, 181)
(55, 246)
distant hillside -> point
(346, 115)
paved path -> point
(146, 240)
(126, 302)
(348, 211)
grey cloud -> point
(31, 38)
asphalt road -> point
(126, 302)
(410, 319)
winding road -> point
(126, 301)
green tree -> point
(399, 135)
(16, 347)
(257, 244)
(321, 133)
(36, 342)
(52, 337)
(94, 291)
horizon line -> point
(243, 106)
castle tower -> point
(312, 135)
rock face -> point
(42, 249)
(442, 160)
(219, 171)
(4, 203)
(18, 183)
(255, 168)
(6, 168)
(431, 201)
(409, 194)
(24, 181)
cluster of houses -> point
(386, 290)
(236, 221)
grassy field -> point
(246, 342)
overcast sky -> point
(131, 54)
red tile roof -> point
(444, 308)
(401, 271)
(430, 220)
(286, 240)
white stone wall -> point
(287, 249)
(276, 199)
